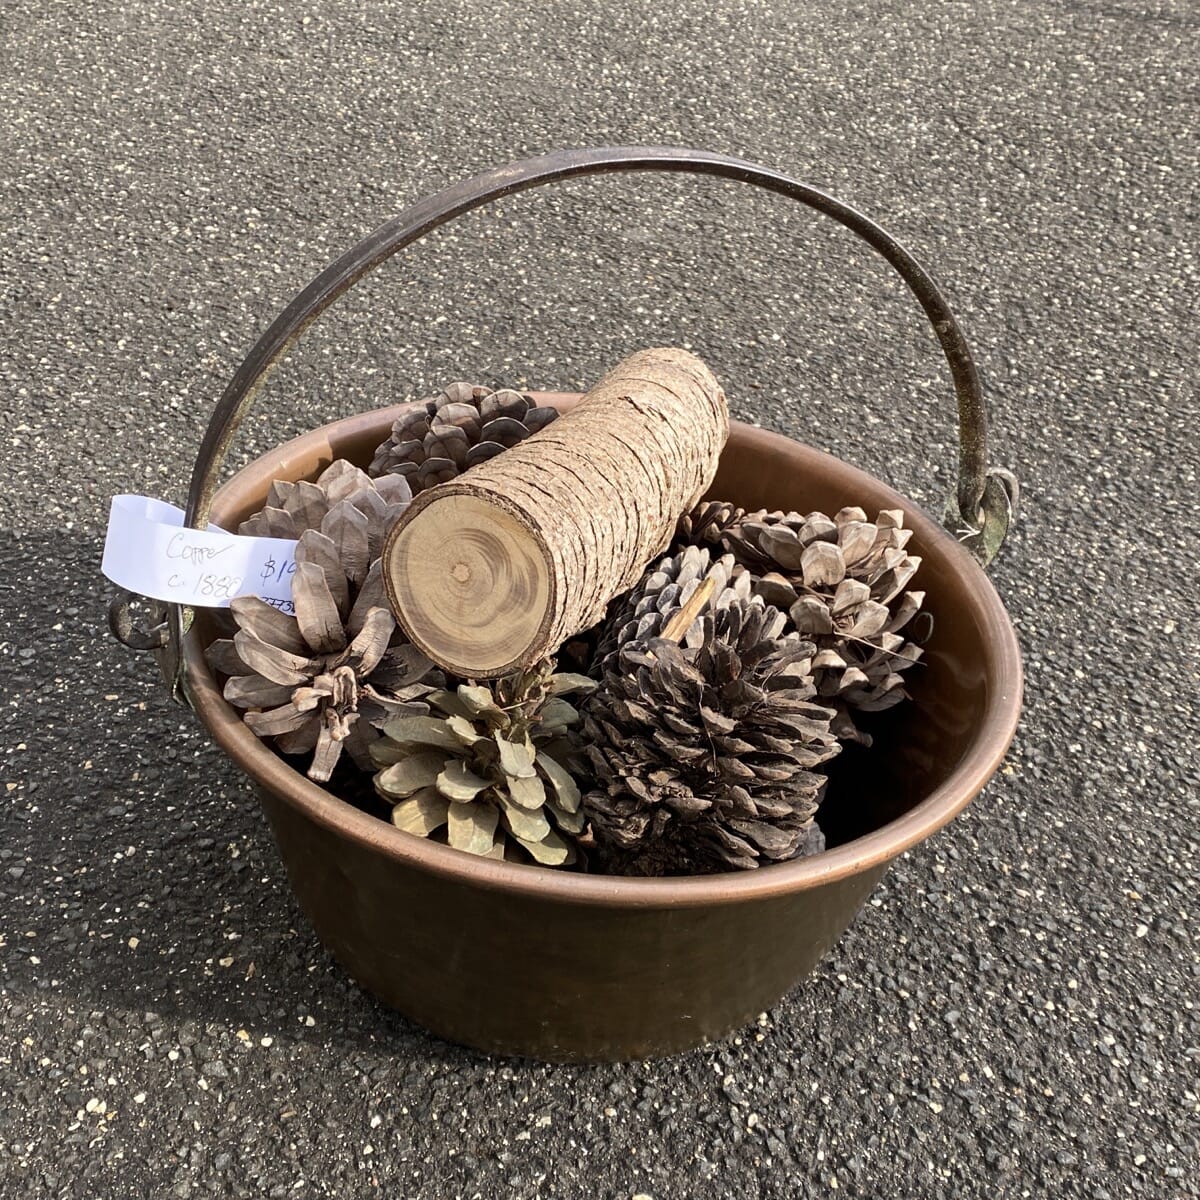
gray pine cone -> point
(843, 581)
(438, 439)
(663, 590)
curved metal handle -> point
(982, 508)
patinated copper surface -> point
(525, 960)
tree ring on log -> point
(473, 578)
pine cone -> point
(843, 582)
(328, 677)
(721, 524)
(705, 756)
(360, 502)
(435, 441)
(663, 590)
(708, 522)
(487, 764)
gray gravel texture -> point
(1014, 1012)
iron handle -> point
(981, 510)
(983, 502)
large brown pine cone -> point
(705, 757)
(342, 490)
(331, 676)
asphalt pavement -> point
(1014, 1013)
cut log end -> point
(492, 572)
(471, 585)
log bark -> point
(493, 571)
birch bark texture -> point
(492, 572)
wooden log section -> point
(493, 571)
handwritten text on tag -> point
(149, 551)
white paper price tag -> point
(149, 551)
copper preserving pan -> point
(561, 966)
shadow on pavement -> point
(136, 869)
